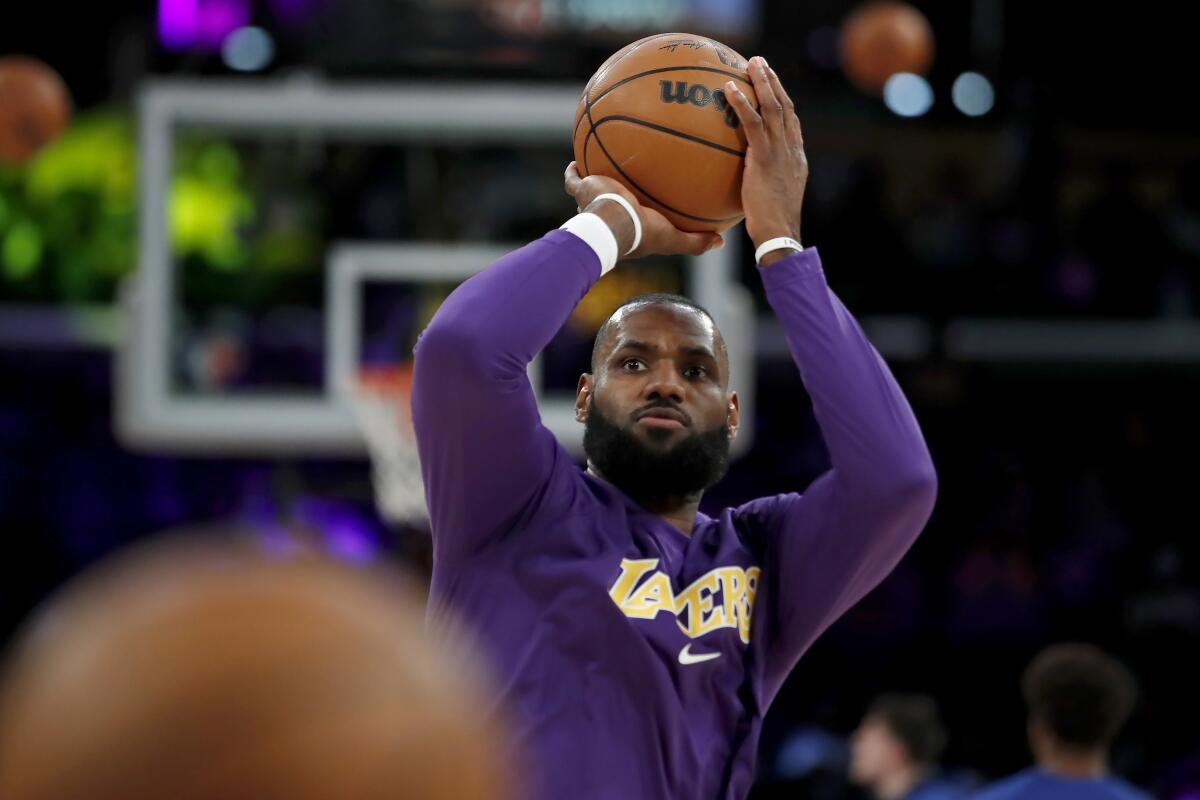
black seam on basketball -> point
(673, 132)
(654, 72)
(637, 186)
(632, 47)
(629, 49)
(591, 130)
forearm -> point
(500, 318)
(513, 308)
(484, 452)
(874, 442)
(851, 526)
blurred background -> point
(1018, 228)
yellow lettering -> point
(738, 589)
(697, 599)
(650, 598)
(632, 569)
(747, 604)
(732, 584)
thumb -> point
(695, 244)
(571, 179)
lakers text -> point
(721, 598)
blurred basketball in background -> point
(882, 38)
(197, 672)
(35, 107)
(655, 117)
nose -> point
(665, 382)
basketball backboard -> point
(519, 134)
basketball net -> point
(381, 396)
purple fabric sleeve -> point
(825, 549)
(485, 455)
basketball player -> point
(1078, 698)
(895, 750)
(638, 641)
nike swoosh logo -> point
(686, 656)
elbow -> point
(922, 484)
(905, 488)
(448, 345)
(446, 359)
(914, 489)
(455, 356)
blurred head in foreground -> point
(1078, 697)
(200, 671)
(897, 745)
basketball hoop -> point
(381, 397)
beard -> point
(690, 466)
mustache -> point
(664, 405)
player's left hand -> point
(659, 236)
(776, 170)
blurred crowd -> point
(1076, 699)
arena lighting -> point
(907, 94)
(248, 49)
(205, 24)
(972, 94)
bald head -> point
(689, 315)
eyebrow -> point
(702, 352)
(646, 347)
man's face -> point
(656, 405)
(874, 753)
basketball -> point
(35, 107)
(655, 118)
(207, 673)
(882, 38)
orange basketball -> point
(199, 672)
(655, 118)
(882, 38)
(34, 107)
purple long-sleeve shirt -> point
(636, 661)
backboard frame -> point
(149, 415)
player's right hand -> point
(659, 236)
(776, 170)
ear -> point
(1037, 735)
(733, 413)
(582, 392)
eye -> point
(695, 372)
(632, 364)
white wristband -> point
(637, 222)
(596, 234)
(776, 244)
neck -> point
(678, 511)
(898, 784)
(1077, 764)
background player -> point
(895, 750)
(638, 641)
(1078, 699)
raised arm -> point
(827, 548)
(485, 455)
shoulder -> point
(569, 489)
(1123, 790)
(564, 492)
(756, 518)
(1014, 786)
(944, 787)
(763, 511)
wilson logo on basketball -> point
(698, 95)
